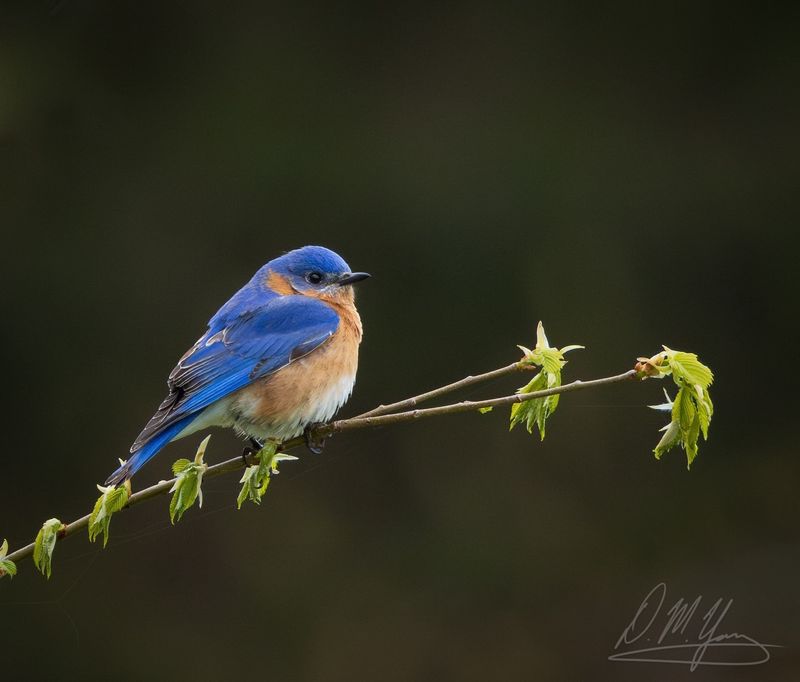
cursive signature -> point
(680, 622)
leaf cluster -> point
(256, 477)
(7, 567)
(111, 500)
(536, 411)
(188, 482)
(45, 544)
(692, 409)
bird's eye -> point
(314, 277)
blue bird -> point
(280, 355)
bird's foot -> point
(314, 443)
(250, 450)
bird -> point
(278, 357)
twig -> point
(469, 405)
(455, 386)
(373, 418)
(155, 490)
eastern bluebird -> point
(280, 355)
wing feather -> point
(235, 352)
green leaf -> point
(705, 409)
(687, 368)
(188, 482)
(671, 437)
(179, 465)
(574, 346)
(256, 478)
(254, 484)
(111, 500)
(485, 410)
(689, 439)
(550, 359)
(45, 544)
(683, 410)
(534, 412)
(7, 567)
(541, 337)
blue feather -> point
(252, 346)
(148, 451)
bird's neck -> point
(343, 302)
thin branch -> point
(470, 405)
(160, 488)
(373, 418)
(455, 386)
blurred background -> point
(628, 177)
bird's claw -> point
(314, 443)
(254, 448)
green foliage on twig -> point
(535, 412)
(188, 481)
(7, 567)
(256, 478)
(692, 409)
(45, 544)
(111, 500)
(690, 415)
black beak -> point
(352, 278)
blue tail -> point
(139, 458)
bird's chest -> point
(308, 390)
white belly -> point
(248, 419)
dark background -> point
(629, 177)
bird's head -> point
(312, 271)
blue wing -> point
(235, 351)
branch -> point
(373, 418)
(532, 405)
(362, 422)
(437, 392)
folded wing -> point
(233, 353)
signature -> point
(707, 647)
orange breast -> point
(307, 390)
